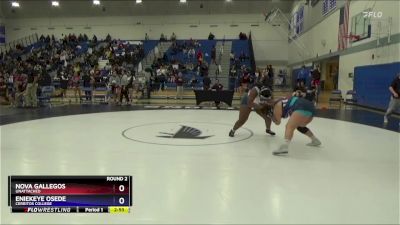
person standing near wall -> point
(124, 80)
(217, 87)
(335, 78)
(301, 76)
(31, 89)
(394, 103)
(179, 86)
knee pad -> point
(303, 130)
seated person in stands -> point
(3, 92)
(94, 39)
(162, 37)
(173, 37)
(20, 87)
(232, 56)
(217, 87)
(44, 79)
(242, 56)
(211, 36)
(108, 38)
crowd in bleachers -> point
(183, 65)
(70, 62)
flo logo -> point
(186, 132)
(373, 14)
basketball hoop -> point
(352, 38)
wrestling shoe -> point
(270, 132)
(231, 133)
(315, 142)
(283, 149)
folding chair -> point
(351, 97)
(45, 96)
(336, 96)
(101, 93)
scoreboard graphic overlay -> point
(70, 194)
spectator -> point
(3, 92)
(316, 79)
(31, 90)
(193, 82)
(206, 83)
(218, 71)
(63, 85)
(394, 103)
(213, 55)
(146, 37)
(282, 78)
(162, 37)
(244, 82)
(179, 86)
(217, 87)
(76, 86)
(113, 85)
(242, 57)
(191, 53)
(211, 36)
(173, 37)
(88, 82)
(335, 78)
(124, 90)
(270, 72)
(232, 78)
(20, 88)
(131, 85)
(301, 76)
(199, 57)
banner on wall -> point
(2, 35)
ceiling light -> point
(228, 0)
(15, 4)
(182, 1)
(96, 2)
(138, 1)
(55, 3)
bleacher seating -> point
(239, 46)
(149, 45)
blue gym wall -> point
(372, 82)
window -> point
(328, 6)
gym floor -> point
(352, 178)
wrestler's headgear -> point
(265, 93)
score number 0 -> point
(121, 200)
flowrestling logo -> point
(371, 14)
(185, 133)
